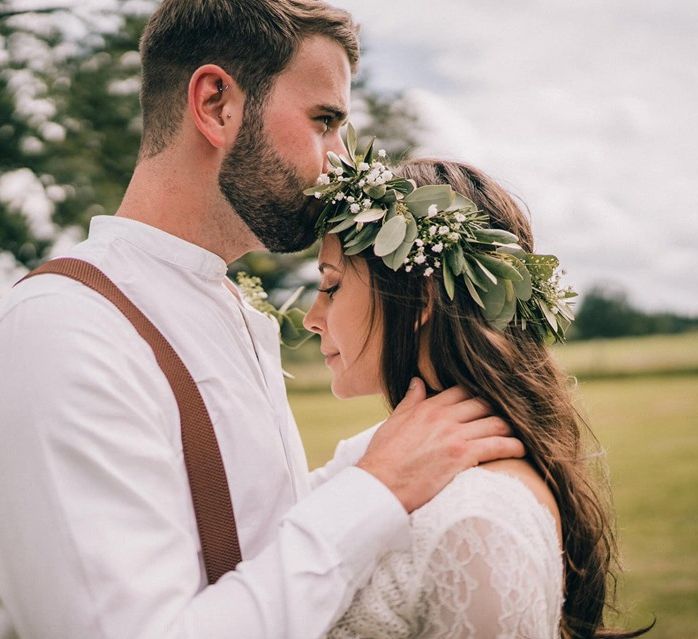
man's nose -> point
(335, 144)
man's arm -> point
(97, 537)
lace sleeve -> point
(482, 581)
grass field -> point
(647, 424)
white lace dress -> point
(483, 563)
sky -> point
(586, 111)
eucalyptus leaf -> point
(352, 141)
(360, 236)
(462, 203)
(368, 154)
(473, 291)
(512, 249)
(397, 258)
(548, 314)
(494, 301)
(496, 235)
(449, 282)
(390, 236)
(456, 259)
(402, 185)
(334, 159)
(490, 276)
(360, 245)
(375, 192)
(523, 287)
(370, 215)
(499, 266)
(472, 270)
(508, 309)
(423, 197)
(342, 226)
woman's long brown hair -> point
(517, 375)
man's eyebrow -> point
(325, 265)
(338, 113)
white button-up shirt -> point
(98, 537)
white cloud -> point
(582, 110)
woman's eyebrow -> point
(325, 265)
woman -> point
(513, 548)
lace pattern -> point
(483, 563)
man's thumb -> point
(417, 392)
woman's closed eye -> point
(329, 291)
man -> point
(242, 100)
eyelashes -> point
(330, 290)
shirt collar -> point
(159, 244)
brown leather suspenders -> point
(209, 488)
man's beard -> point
(265, 191)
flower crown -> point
(434, 228)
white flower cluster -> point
(438, 232)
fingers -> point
(487, 427)
(450, 396)
(491, 448)
(468, 410)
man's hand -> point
(425, 442)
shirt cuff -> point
(357, 516)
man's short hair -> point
(253, 40)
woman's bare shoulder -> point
(524, 471)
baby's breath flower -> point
(318, 195)
(362, 183)
(354, 208)
(420, 258)
(432, 230)
(388, 175)
(408, 268)
(350, 198)
(338, 170)
(323, 179)
(432, 211)
(340, 196)
(381, 153)
(459, 217)
(453, 237)
(419, 243)
(444, 230)
(363, 166)
(437, 248)
(428, 271)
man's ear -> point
(216, 104)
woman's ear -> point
(216, 104)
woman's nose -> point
(312, 319)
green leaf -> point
(512, 249)
(334, 159)
(508, 309)
(402, 185)
(475, 275)
(548, 314)
(396, 259)
(492, 278)
(422, 198)
(499, 266)
(541, 267)
(449, 282)
(456, 259)
(368, 154)
(494, 301)
(473, 291)
(462, 203)
(496, 235)
(352, 141)
(524, 287)
(342, 226)
(360, 237)
(359, 245)
(370, 215)
(390, 236)
(375, 192)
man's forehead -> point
(319, 74)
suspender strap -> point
(209, 488)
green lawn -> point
(649, 428)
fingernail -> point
(413, 383)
